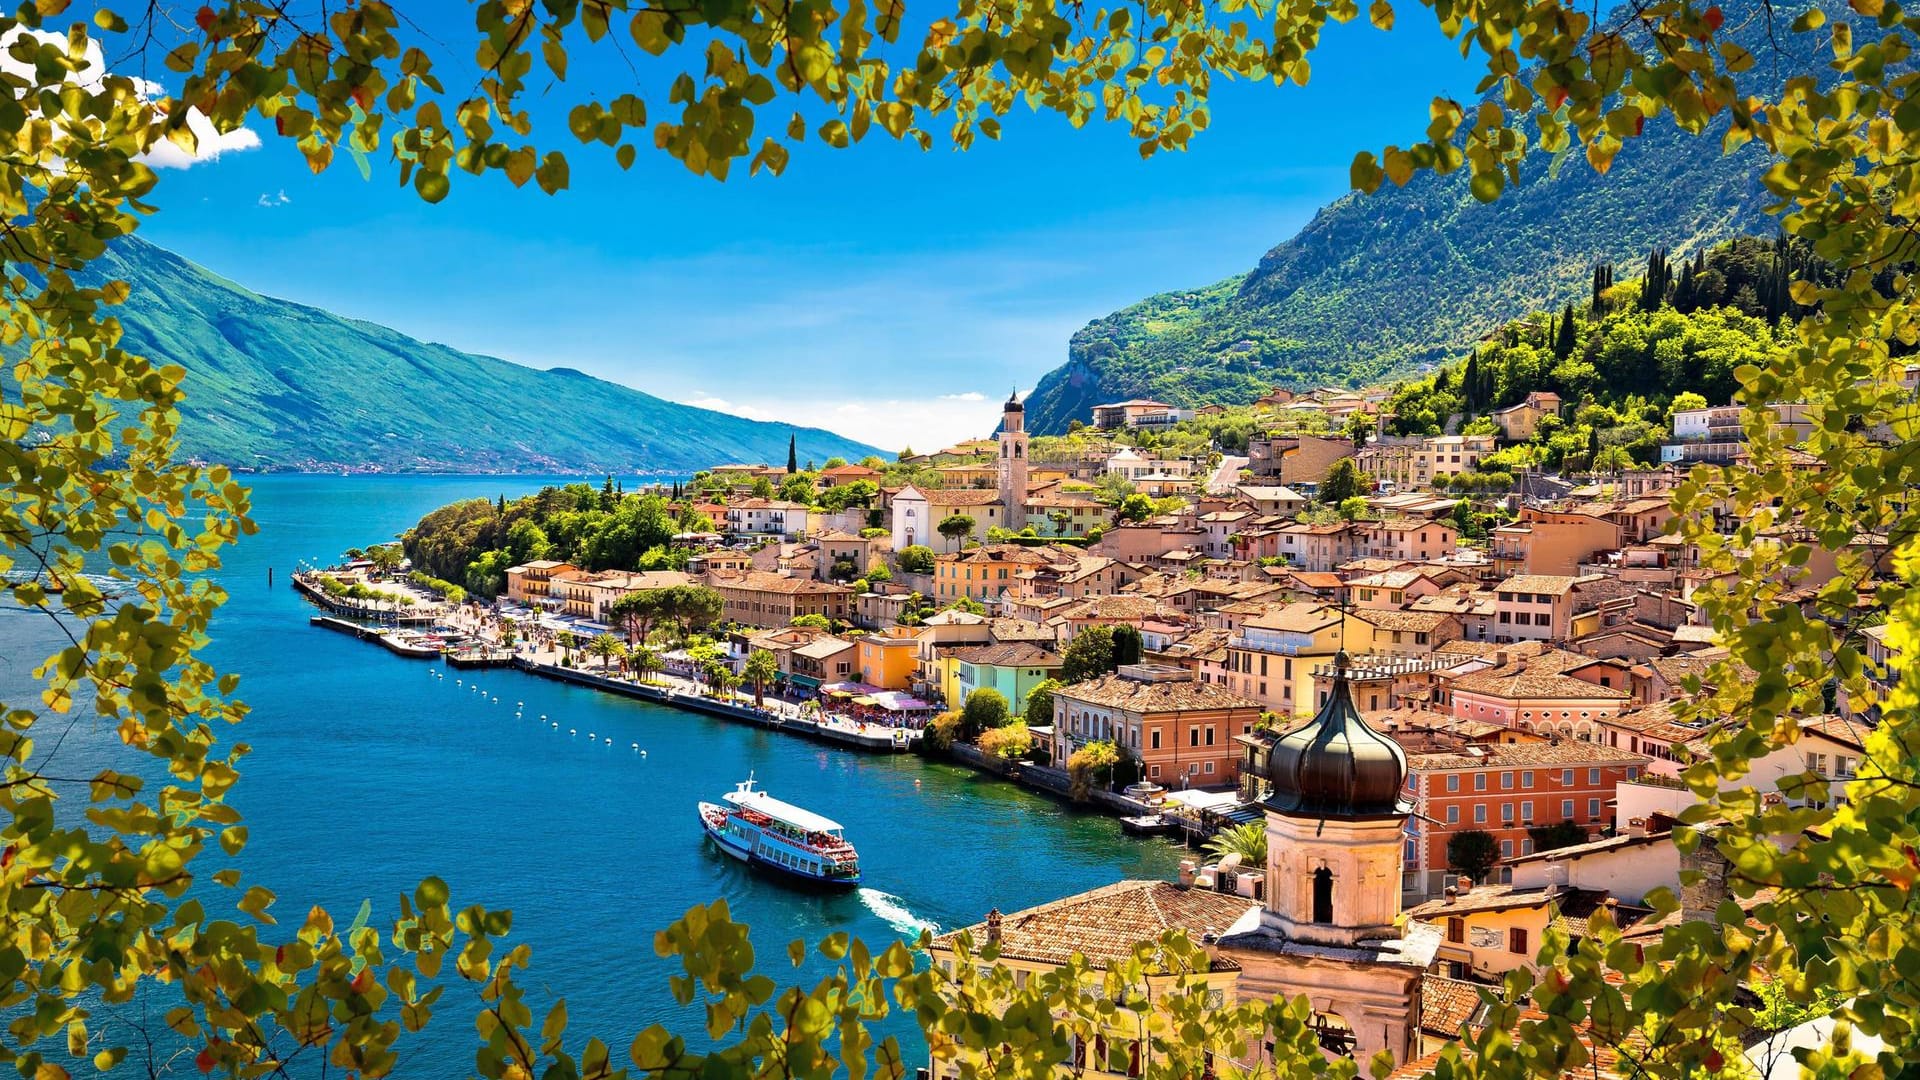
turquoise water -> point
(367, 773)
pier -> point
(392, 642)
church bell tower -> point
(1013, 462)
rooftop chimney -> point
(1451, 893)
(1187, 871)
(1466, 883)
(993, 927)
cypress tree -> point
(793, 455)
(1470, 385)
(500, 504)
(1593, 446)
(1564, 344)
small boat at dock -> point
(760, 830)
(1146, 825)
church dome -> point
(1336, 766)
(1013, 403)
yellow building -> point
(888, 660)
(1273, 655)
(1490, 930)
(1103, 925)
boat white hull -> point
(713, 821)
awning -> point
(897, 701)
(807, 681)
(865, 699)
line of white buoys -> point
(572, 731)
(636, 746)
(609, 742)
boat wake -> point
(894, 912)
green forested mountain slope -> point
(278, 385)
(1383, 284)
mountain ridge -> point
(1383, 285)
(278, 385)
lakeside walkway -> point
(541, 657)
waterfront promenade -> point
(536, 650)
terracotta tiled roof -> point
(1524, 755)
(1416, 621)
(1105, 924)
(1526, 683)
(1008, 654)
(1537, 583)
(823, 647)
(1136, 696)
(1447, 1004)
(766, 581)
(1019, 630)
(1304, 617)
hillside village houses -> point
(1370, 690)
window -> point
(1506, 813)
(1453, 815)
(1506, 781)
(1457, 930)
(1453, 782)
(1566, 777)
(1817, 763)
(1506, 849)
(1153, 737)
(1193, 736)
(1526, 810)
(1593, 777)
(1593, 809)
(1479, 781)
(1323, 895)
(1209, 766)
(1480, 814)
(1517, 940)
(1566, 809)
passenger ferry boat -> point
(760, 830)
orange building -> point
(1177, 728)
(888, 660)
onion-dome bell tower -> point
(1335, 825)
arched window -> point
(1323, 895)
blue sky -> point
(880, 291)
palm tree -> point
(604, 646)
(1248, 841)
(761, 669)
(646, 662)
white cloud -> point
(890, 423)
(277, 199)
(210, 143)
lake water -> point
(368, 773)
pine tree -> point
(793, 454)
(1563, 345)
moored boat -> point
(760, 830)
